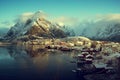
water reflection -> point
(34, 62)
(37, 63)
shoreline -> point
(5, 44)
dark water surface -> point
(17, 63)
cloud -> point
(108, 17)
(40, 14)
(62, 20)
(27, 14)
(30, 15)
(6, 24)
(66, 20)
(23, 17)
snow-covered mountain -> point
(35, 24)
(105, 28)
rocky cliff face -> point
(38, 26)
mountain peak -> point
(39, 14)
(39, 11)
(35, 24)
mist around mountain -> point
(104, 28)
(3, 32)
(37, 25)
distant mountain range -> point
(107, 28)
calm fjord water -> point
(17, 63)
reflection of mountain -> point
(35, 50)
(57, 63)
(42, 60)
(15, 57)
(20, 56)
